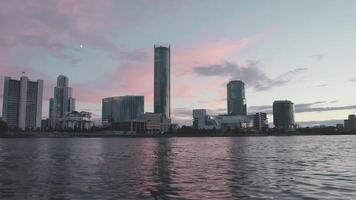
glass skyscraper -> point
(283, 114)
(236, 102)
(22, 103)
(162, 80)
(121, 109)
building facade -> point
(283, 115)
(76, 121)
(260, 121)
(62, 102)
(22, 103)
(162, 80)
(156, 122)
(121, 109)
(236, 101)
(203, 121)
(350, 123)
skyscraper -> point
(22, 103)
(121, 109)
(236, 102)
(62, 103)
(162, 80)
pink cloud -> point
(209, 53)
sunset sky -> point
(303, 51)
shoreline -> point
(111, 134)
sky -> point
(303, 51)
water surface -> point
(295, 167)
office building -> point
(162, 80)
(283, 115)
(62, 103)
(260, 121)
(156, 122)
(203, 121)
(121, 109)
(22, 103)
(236, 101)
(350, 123)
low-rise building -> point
(156, 122)
(203, 121)
(132, 126)
(77, 121)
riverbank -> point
(122, 134)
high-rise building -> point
(51, 113)
(162, 80)
(121, 109)
(236, 102)
(260, 121)
(22, 103)
(62, 103)
(283, 114)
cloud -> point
(249, 73)
(353, 80)
(318, 57)
(58, 28)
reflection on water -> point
(316, 167)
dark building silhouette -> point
(283, 114)
(236, 101)
(162, 80)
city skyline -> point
(296, 57)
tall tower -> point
(162, 80)
(236, 102)
(22, 103)
(62, 103)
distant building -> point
(22, 103)
(76, 121)
(260, 121)
(220, 122)
(350, 123)
(236, 101)
(283, 115)
(132, 126)
(146, 123)
(121, 109)
(339, 126)
(45, 125)
(233, 121)
(162, 80)
(156, 122)
(203, 121)
(62, 103)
